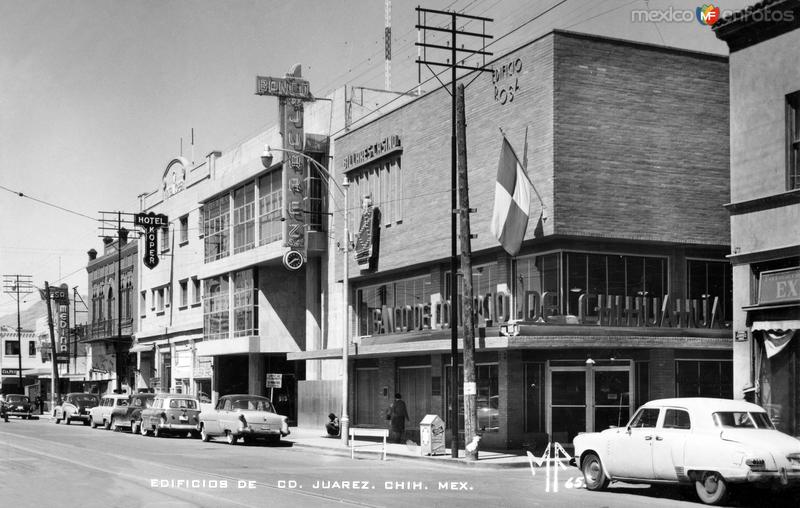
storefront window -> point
(215, 308)
(270, 198)
(487, 399)
(539, 274)
(704, 378)
(244, 304)
(394, 298)
(711, 279)
(244, 218)
(216, 223)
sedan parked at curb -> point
(130, 416)
(101, 414)
(75, 406)
(708, 443)
(18, 405)
(249, 417)
(171, 413)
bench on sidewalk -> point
(367, 432)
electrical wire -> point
(22, 195)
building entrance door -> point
(414, 384)
(586, 399)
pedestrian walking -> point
(397, 416)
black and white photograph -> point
(383, 253)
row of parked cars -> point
(234, 417)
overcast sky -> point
(96, 95)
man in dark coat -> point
(398, 414)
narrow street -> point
(43, 464)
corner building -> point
(765, 206)
(621, 292)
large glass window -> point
(269, 208)
(382, 182)
(540, 274)
(216, 308)
(244, 304)
(244, 216)
(704, 378)
(216, 223)
(487, 398)
(11, 348)
(711, 279)
(394, 295)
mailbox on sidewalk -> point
(431, 435)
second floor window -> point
(184, 229)
(793, 141)
(269, 208)
(244, 225)
(184, 293)
(216, 222)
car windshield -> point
(254, 404)
(743, 420)
(182, 404)
(85, 399)
(17, 398)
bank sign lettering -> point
(151, 223)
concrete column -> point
(313, 304)
(216, 375)
(256, 374)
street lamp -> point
(344, 420)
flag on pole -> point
(512, 201)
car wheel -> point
(230, 438)
(711, 488)
(58, 420)
(106, 424)
(143, 430)
(204, 437)
(113, 425)
(92, 424)
(157, 432)
(593, 473)
(134, 427)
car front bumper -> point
(17, 412)
(179, 426)
(79, 417)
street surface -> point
(47, 465)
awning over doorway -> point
(777, 334)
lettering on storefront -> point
(779, 286)
(493, 309)
(369, 153)
(505, 78)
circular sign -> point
(293, 260)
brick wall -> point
(662, 373)
(641, 142)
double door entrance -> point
(587, 399)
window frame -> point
(793, 141)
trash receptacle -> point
(431, 435)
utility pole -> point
(450, 55)
(470, 387)
(14, 285)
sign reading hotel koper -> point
(778, 286)
(150, 222)
(284, 87)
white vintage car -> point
(249, 417)
(710, 443)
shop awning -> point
(142, 348)
(785, 324)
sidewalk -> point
(317, 438)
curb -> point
(449, 461)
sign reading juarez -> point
(292, 91)
(151, 222)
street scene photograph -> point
(381, 253)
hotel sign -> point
(371, 152)
(779, 286)
(151, 222)
(284, 87)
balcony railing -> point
(108, 328)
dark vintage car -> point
(130, 416)
(249, 417)
(171, 413)
(75, 407)
(18, 405)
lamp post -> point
(344, 420)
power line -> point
(20, 194)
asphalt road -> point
(48, 465)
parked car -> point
(710, 443)
(130, 416)
(18, 405)
(101, 414)
(171, 413)
(243, 416)
(75, 406)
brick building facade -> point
(621, 292)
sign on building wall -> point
(369, 153)
(779, 286)
(505, 78)
(151, 223)
(365, 239)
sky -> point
(97, 96)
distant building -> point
(765, 205)
(10, 359)
(109, 331)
